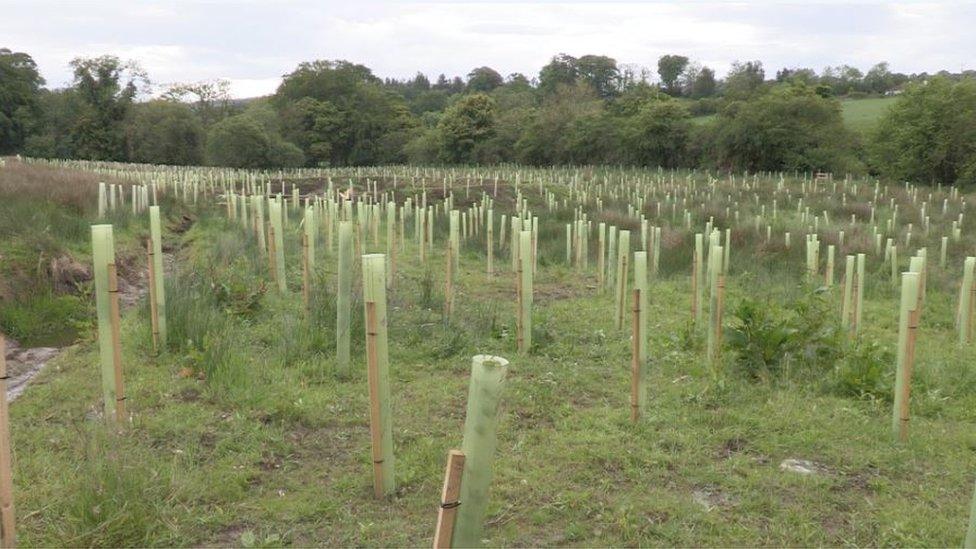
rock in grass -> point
(802, 466)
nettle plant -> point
(769, 339)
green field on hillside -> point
(860, 115)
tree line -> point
(577, 110)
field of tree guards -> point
(498, 356)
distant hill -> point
(245, 101)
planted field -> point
(624, 356)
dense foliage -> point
(585, 110)
(930, 135)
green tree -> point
(547, 136)
(316, 127)
(929, 134)
(594, 137)
(164, 132)
(51, 136)
(514, 104)
(365, 119)
(807, 76)
(484, 79)
(20, 89)
(744, 79)
(560, 71)
(600, 72)
(210, 99)
(106, 88)
(467, 123)
(788, 128)
(701, 83)
(878, 79)
(670, 68)
(842, 79)
(658, 134)
(251, 140)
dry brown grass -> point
(69, 188)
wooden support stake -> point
(378, 373)
(721, 308)
(480, 439)
(278, 234)
(158, 274)
(449, 282)
(699, 286)
(372, 370)
(113, 292)
(447, 512)
(964, 314)
(306, 282)
(847, 302)
(344, 298)
(525, 292)
(907, 328)
(272, 264)
(153, 312)
(8, 536)
(623, 269)
(103, 255)
(635, 360)
(694, 289)
(490, 251)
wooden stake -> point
(449, 500)
(344, 298)
(489, 242)
(449, 282)
(721, 310)
(623, 269)
(158, 274)
(8, 536)
(272, 264)
(103, 255)
(524, 280)
(970, 541)
(372, 370)
(306, 283)
(113, 292)
(480, 439)
(378, 373)
(278, 234)
(907, 328)
(694, 289)
(635, 361)
(153, 312)
(964, 314)
(699, 285)
(847, 308)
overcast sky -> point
(253, 43)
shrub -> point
(760, 338)
(768, 340)
(865, 372)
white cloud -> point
(253, 43)
(253, 87)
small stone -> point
(802, 466)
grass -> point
(45, 215)
(862, 115)
(242, 434)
